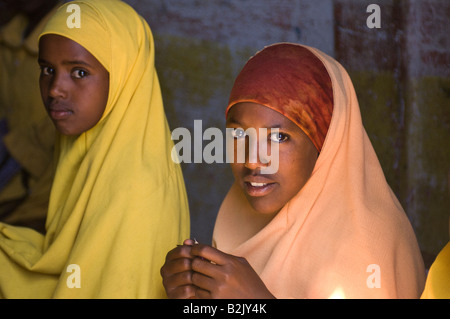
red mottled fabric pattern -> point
(291, 80)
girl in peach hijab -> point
(326, 224)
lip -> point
(57, 112)
(258, 191)
(257, 186)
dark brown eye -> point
(238, 133)
(46, 70)
(79, 73)
(278, 137)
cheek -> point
(102, 98)
(95, 98)
(89, 111)
(105, 91)
(43, 87)
(236, 150)
(294, 171)
(99, 106)
(236, 169)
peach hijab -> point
(344, 235)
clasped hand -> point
(201, 271)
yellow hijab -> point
(438, 280)
(118, 201)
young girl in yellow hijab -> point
(326, 224)
(118, 201)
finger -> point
(182, 292)
(205, 267)
(177, 279)
(202, 294)
(212, 254)
(182, 251)
(174, 266)
(189, 242)
(202, 281)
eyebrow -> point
(66, 62)
(232, 120)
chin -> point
(263, 206)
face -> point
(74, 84)
(268, 193)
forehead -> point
(55, 48)
(249, 114)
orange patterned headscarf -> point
(291, 80)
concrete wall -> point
(400, 72)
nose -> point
(254, 150)
(58, 87)
(253, 166)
